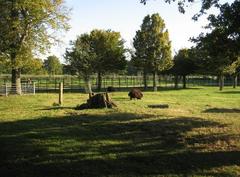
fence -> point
(76, 84)
(26, 88)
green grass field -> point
(198, 135)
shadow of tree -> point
(49, 108)
(222, 110)
(117, 144)
(230, 92)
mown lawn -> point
(198, 135)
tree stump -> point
(100, 100)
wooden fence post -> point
(60, 93)
(34, 88)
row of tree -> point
(29, 27)
(216, 52)
(36, 66)
(103, 52)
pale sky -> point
(125, 16)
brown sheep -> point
(135, 93)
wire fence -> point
(119, 82)
(23, 89)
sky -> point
(126, 16)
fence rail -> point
(25, 88)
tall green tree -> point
(108, 47)
(53, 65)
(81, 58)
(28, 27)
(152, 47)
(214, 53)
(183, 66)
(139, 56)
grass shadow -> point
(117, 144)
(230, 92)
(55, 108)
(222, 110)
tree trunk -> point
(145, 79)
(88, 86)
(99, 85)
(16, 82)
(235, 80)
(155, 81)
(221, 82)
(184, 82)
(176, 81)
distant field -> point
(198, 135)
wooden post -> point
(34, 88)
(60, 93)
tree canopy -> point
(53, 65)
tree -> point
(28, 27)
(139, 57)
(183, 66)
(109, 50)
(152, 47)
(234, 70)
(53, 66)
(98, 52)
(68, 69)
(81, 57)
(220, 47)
(131, 69)
(215, 54)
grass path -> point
(199, 135)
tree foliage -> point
(81, 56)
(229, 24)
(53, 65)
(182, 4)
(184, 65)
(28, 27)
(34, 66)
